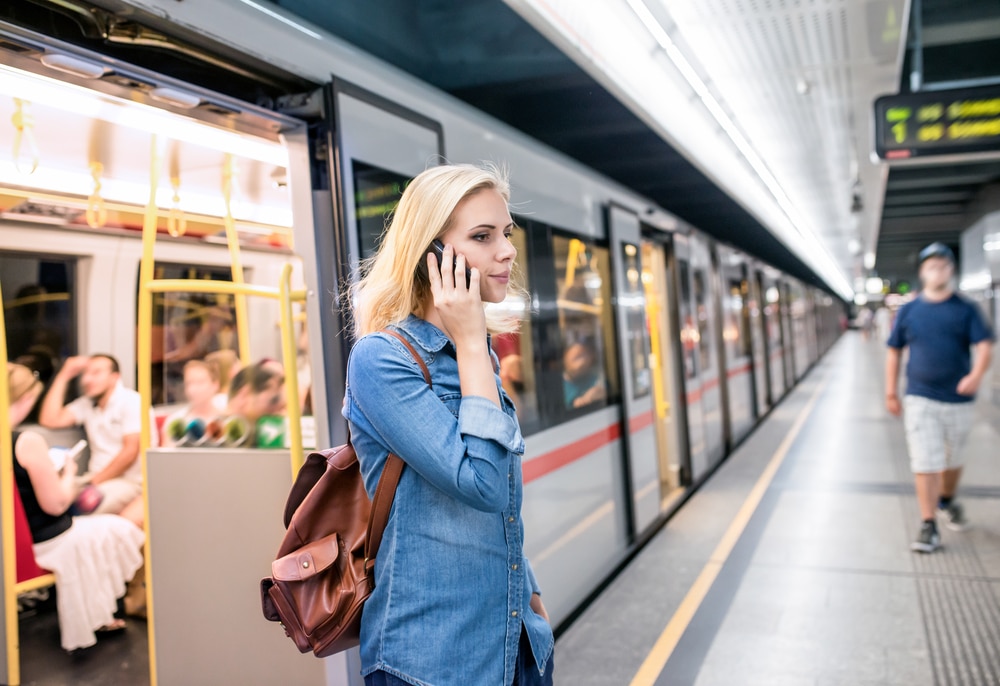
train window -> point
(516, 351)
(39, 311)
(701, 318)
(636, 333)
(689, 330)
(189, 326)
(589, 353)
(376, 194)
(735, 333)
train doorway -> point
(657, 285)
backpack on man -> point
(325, 566)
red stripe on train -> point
(640, 422)
(560, 457)
(695, 396)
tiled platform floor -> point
(821, 588)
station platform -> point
(792, 564)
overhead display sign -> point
(937, 123)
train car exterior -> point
(694, 341)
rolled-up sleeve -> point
(480, 419)
(466, 457)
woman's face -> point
(199, 387)
(480, 230)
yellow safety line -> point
(13, 653)
(657, 658)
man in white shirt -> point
(110, 415)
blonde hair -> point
(393, 286)
(20, 381)
(223, 360)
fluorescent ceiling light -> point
(283, 19)
(87, 103)
(177, 98)
(74, 65)
(827, 266)
(136, 193)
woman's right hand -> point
(460, 307)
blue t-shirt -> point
(939, 335)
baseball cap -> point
(936, 249)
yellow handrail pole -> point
(233, 240)
(7, 513)
(575, 248)
(208, 286)
(144, 363)
(289, 353)
(660, 402)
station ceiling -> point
(485, 53)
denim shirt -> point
(453, 585)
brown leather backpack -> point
(325, 566)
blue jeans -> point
(525, 671)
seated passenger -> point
(256, 391)
(91, 557)
(201, 390)
(512, 379)
(229, 366)
(110, 415)
(583, 382)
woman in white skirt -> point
(92, 557)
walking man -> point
(939, 327)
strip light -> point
(136, 193)
(87, 103)
(284, 20)
(827, 264)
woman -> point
(92, 557)
(455, 600)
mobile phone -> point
(77, 448)
(60, 456)
(437, 247)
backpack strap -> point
(385, 491)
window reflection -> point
(583, 284)
(188, 326)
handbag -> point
(325, 567)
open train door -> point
(366, 153)
(370, 148)
(638, 435)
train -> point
(690, 342)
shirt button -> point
(513, 566)
(510, 519)
(514, 613)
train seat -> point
(27, 567)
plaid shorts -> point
(936, 432)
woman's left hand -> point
(538, 607)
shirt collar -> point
(425, 334)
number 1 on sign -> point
(899, 131)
